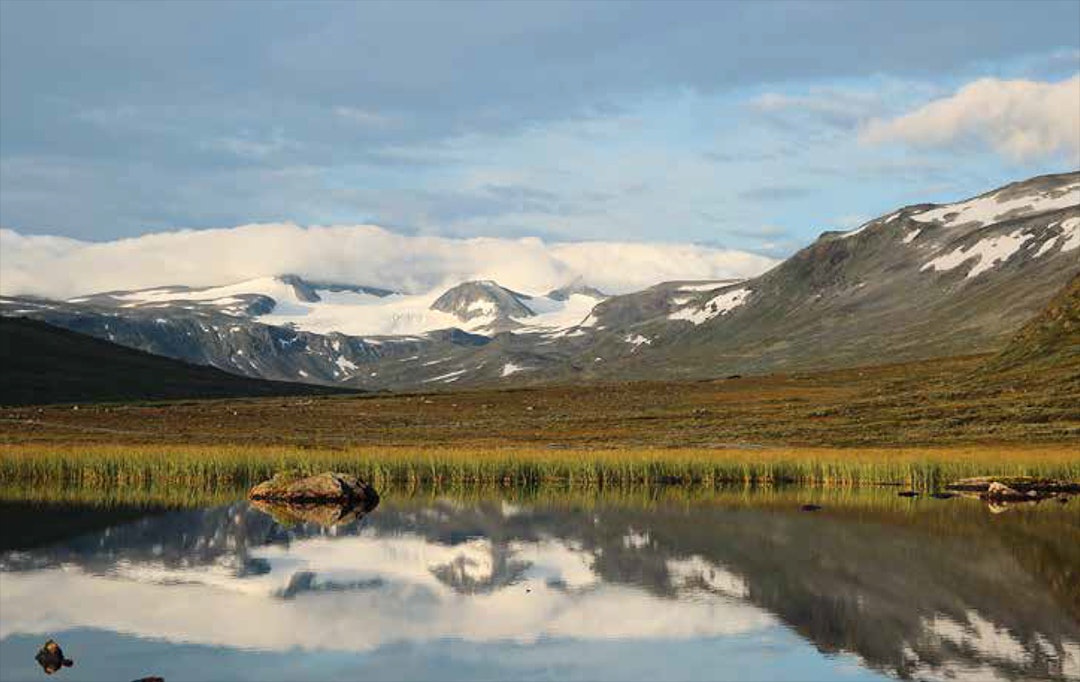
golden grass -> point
(207, 468)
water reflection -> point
(489, 589)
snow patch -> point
(989, 252)
(718, 305)
(989, 209)
(345, 364)
(707, 286)
(448, 377)
(637, 340)
(910, 236)
(510, 368)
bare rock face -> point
(329, 487)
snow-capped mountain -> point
(921, 281)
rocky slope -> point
(45, 364)
(922, 281)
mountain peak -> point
(577, 286)
(483, 298)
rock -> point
(150, 679)
(999, 492)
(907, 493)
(1020, 484)
(810, 507)
(322, 514)
(330, 487)
(51, 658)
(942, 496)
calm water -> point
(446, 589)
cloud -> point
(1019, 119)
(59, 267)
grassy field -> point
(915, 424)
(935, 403)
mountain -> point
(45, 364)
(499, 308)
(919, 282)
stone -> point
(51, 658)
(1020, 484)
(329, 487)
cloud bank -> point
(1019, 119)
(59, 267)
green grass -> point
(180, 471)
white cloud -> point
(59, 267)
(212, 605)
(1019, 119)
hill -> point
(1051, 339)
(44, 364)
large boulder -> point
(329, 487)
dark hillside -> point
(42, 364)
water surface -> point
(739, 587)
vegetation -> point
(201, 470)
(1050, 340)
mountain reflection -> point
(913, 600)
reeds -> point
(212, 468)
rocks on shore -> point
(329, 487)
(999, 489)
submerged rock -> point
(51, 658)
(907, 493)
(810, 507)
(329, 487)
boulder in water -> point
(329, 487)
(51, 658)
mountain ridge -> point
(925, 280)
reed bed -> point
(197, 469)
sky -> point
(744, 126)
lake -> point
(642, 586)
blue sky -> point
(753, 126)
